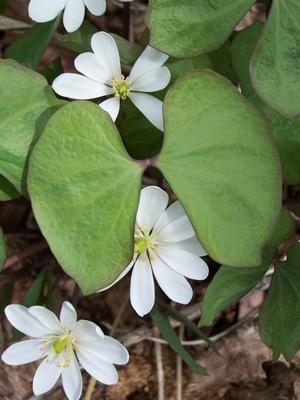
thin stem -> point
(126, 18)
(179, 368)
(159, 367)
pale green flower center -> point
(121, 86)
(63, 346)
(143, 243)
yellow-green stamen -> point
(121, 86)
(61, 343)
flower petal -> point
(87, 332)
(112, 106)
(73, 15)
(88, 65)
(123, 273)
(99, 369)
(172, 213)
(68, 316)
(152, 81)
(79, 87)
(148, 60)
(25, 322)
(46, 376)
(24, 352)
(184, 263)
(108, 349)
(192, 245)
(47, 318)
(46, 10)
(150, 106)
(142, 293)
(96, 7)
(175, 286)
(107, 53)
(72, 380)
(153, 202)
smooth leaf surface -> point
(84, 190)
(231, 283)
(274, 65)
(29, 48)
(169, 334)
(219, 158)
(26, 104)
(280, 315)
(286, 132)
(189, 28)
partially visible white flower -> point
(101, 76)
(166, 246)
(57, 342)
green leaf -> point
(26, 103)
(187, 29)
(231, 283)
(221, 62)
(52, 70)
(286, 132)
(274, 65)
(35, 294)
(2, 249)
(178, 67)
(84, 190)
(280, 315)
(219, 158)
(170, 336)
(30, 47)
(7, 190)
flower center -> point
(121, 86)
(143, 242)
(61, 343)
(63, 347)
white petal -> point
(175, 286)
(107, 53)
(151, 81)
(21, 319)
(72, 380)
(192, 245)
(153, 202)
(47, 318)
(112, 106)
(150, 106)
(126, 270)
(87, 64)
(68, 316)
(46, 376)
(73, 15)
(87, 332)
(46, 10)
(79, 87)
(96, 7)
(99, 369)
(149, 59)
(108, 349)
(24, 352)
(142, 293)
(185, 263)
(172, 213)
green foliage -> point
(280, 315)
(26, 104)
(231, 283)
(186, 29)
(85, 204)
(274, 64)
(2, 5)
(30, 47)
(169, 334)
(224, 171)
(52, 70)
(7, 190)
(2, 249)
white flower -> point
(166, 246)
(57, 342)
(102, 77)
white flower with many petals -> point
(166, 246)
(58, 342)
(102, 76)
(74, 10)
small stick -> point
(179, 368)
(160, 367)
(35, 248)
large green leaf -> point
(286, 132)
(84, 190)
(184, 28)
(7, 190)
(280, 315)
(25, 105)
(274, 65)
(219, 158)
(30, 47)
(231, 283)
